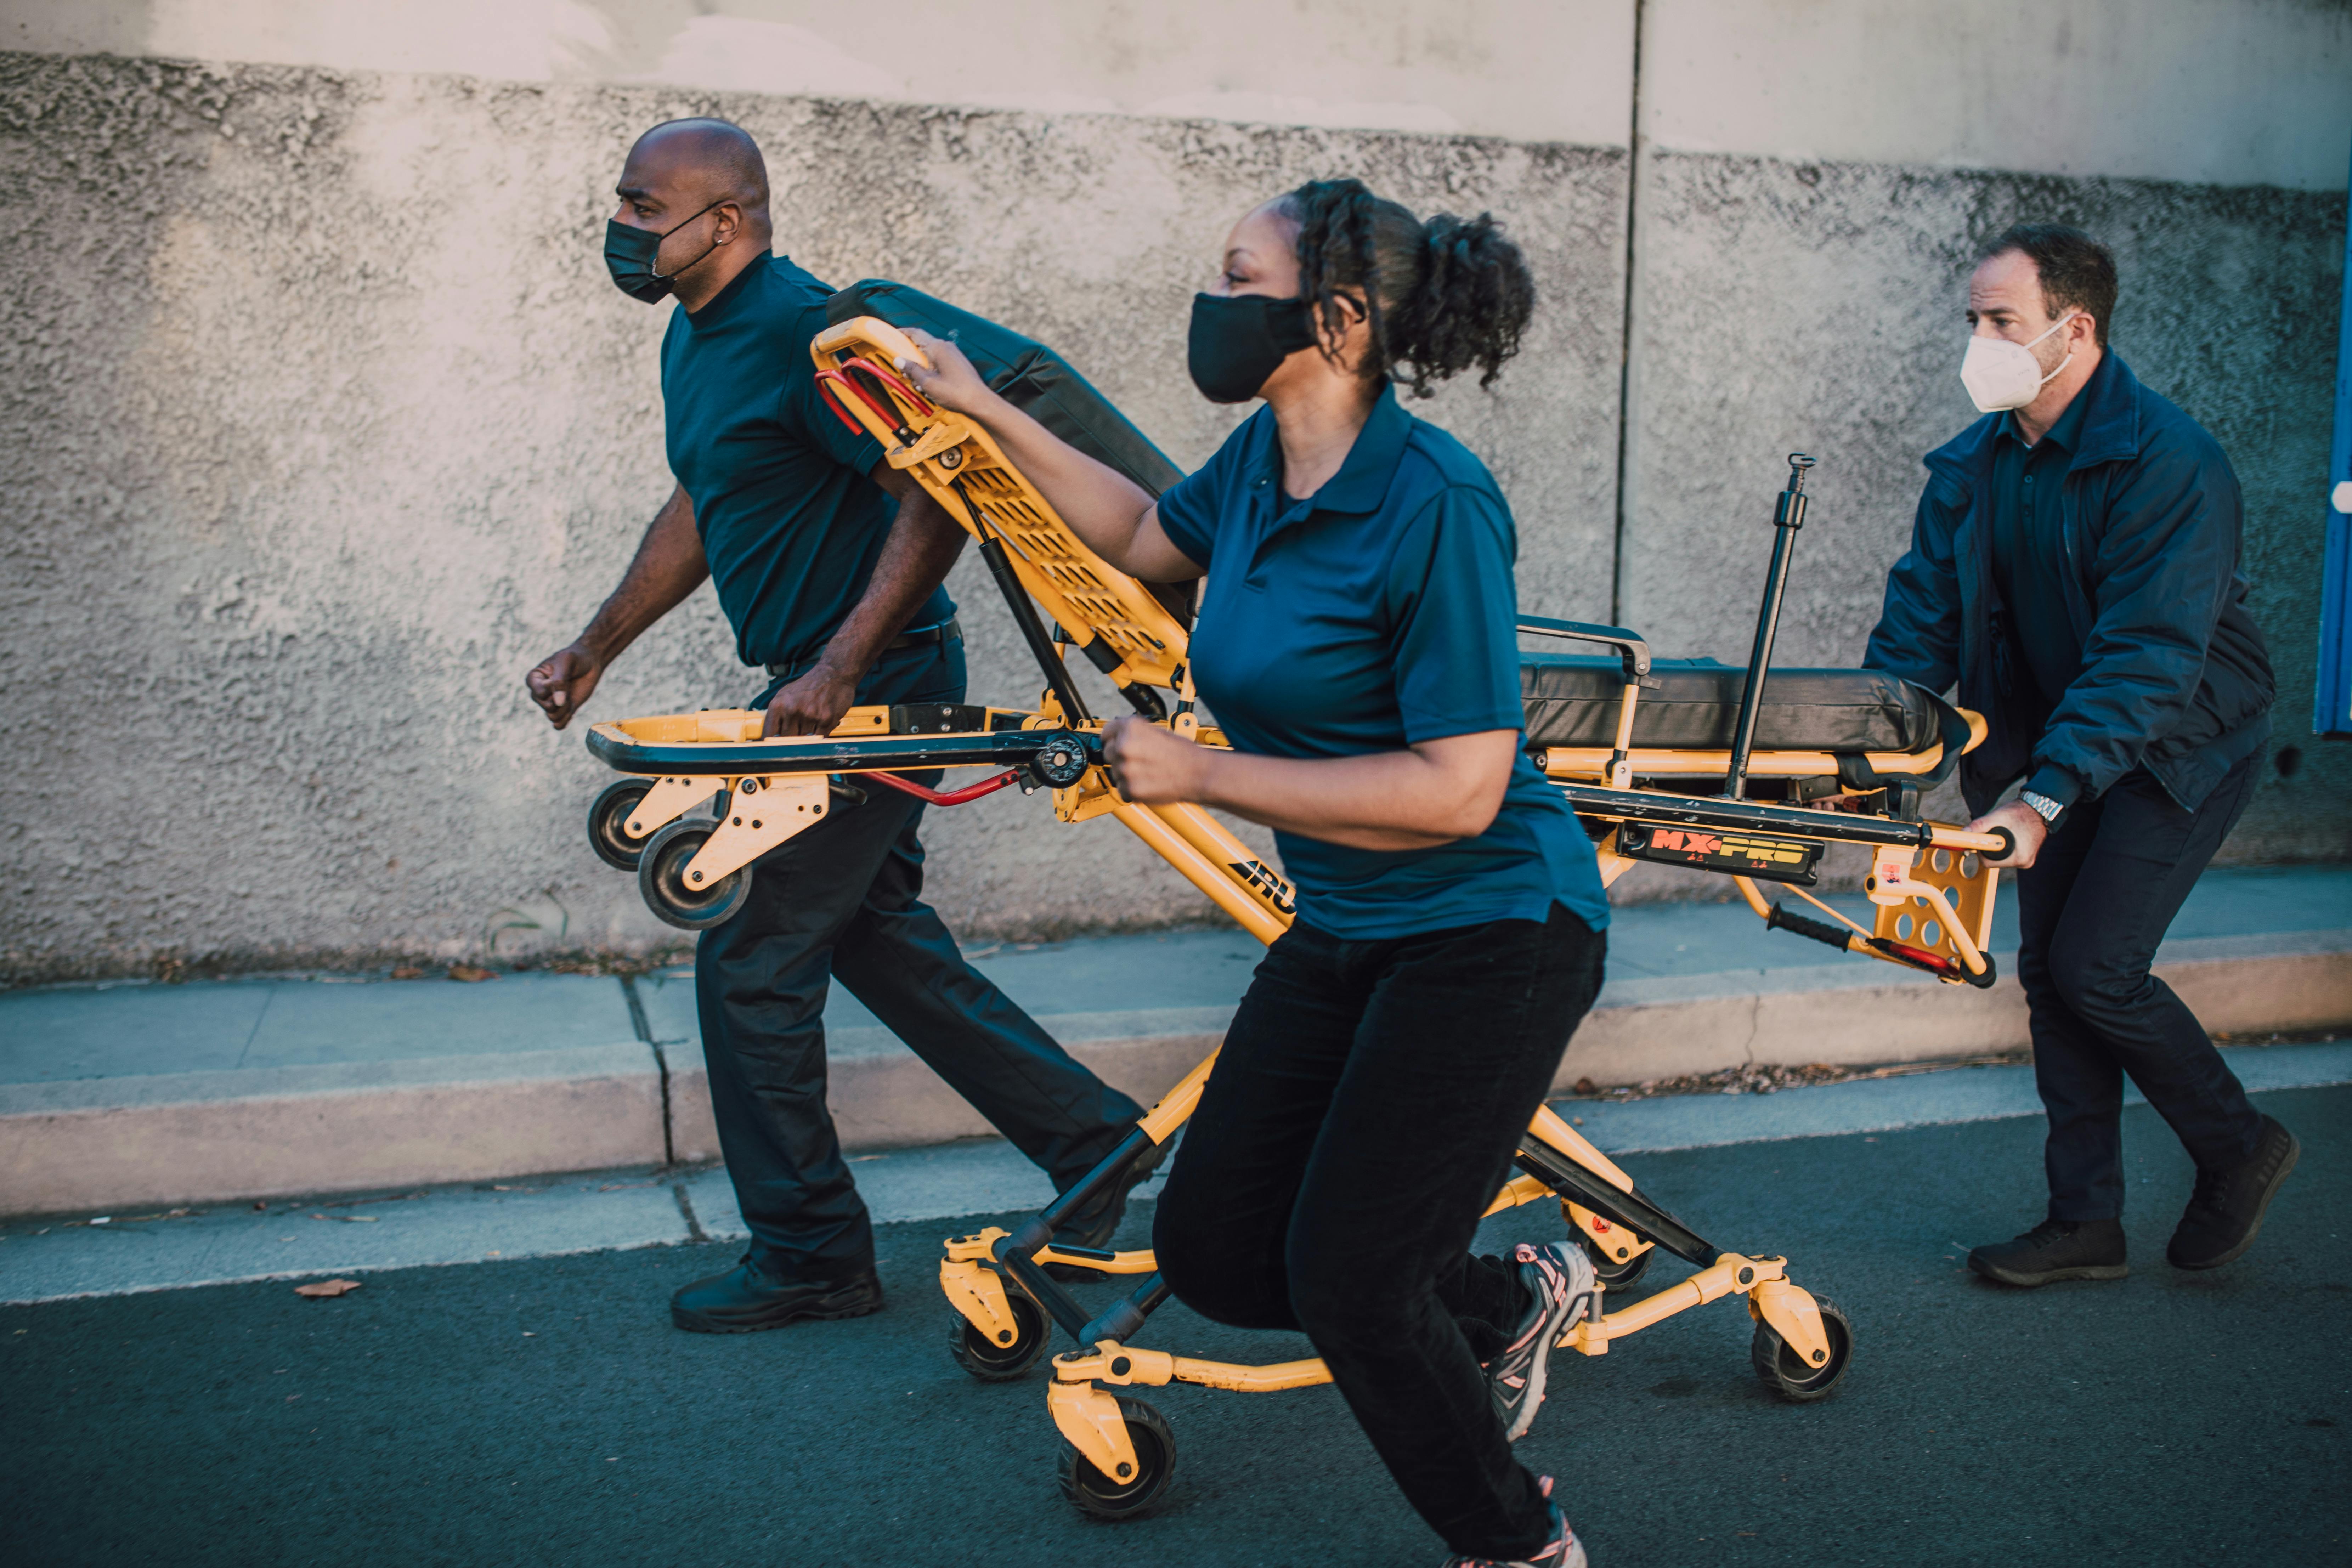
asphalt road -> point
(543, 1412)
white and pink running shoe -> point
(1562, 1550)
(1559, 1276)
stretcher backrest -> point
(1033, 379)
(1572, 701)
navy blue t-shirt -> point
(789, 522)
(1376, 613)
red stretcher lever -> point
(1918, 957)
(989, 785)
(833, 398)
(826, 379)
(1936, 963)
(890, 379)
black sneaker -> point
(747, 1299)
(1558, 1277)
(1092, 1226)
(2225, 1212)
(2056, 1249)
(1562, 1550)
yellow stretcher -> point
(1932, 895)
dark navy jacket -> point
(2175, 676)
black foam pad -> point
(1572, 701)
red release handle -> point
(943, 798)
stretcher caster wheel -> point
(608, 824)
(1786, 1373)
(662, 879)
(1615, 1274)
(992, 1361)
(1145, 1492)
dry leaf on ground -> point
(468, 973)
(323, 1287)
(408, 972)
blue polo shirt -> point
(789, 522)
(1378, 613)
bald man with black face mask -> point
(829, 565)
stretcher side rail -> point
(1601, 803)
(1634, 658)
(840, 754)
(1632, 648)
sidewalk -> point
(157, 1095)
(51, 1258)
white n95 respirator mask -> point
(2002, 374)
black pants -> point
(2091, 911)
(844, 900)
(1363, 1112)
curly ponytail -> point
(1441, 296)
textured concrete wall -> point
(2232, 92)
(1784, 306)
(320, 423)
(2222, 91)
(1532, 70)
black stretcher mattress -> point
(1573, 700)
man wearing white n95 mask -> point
(2073, 569)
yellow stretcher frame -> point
(960, 466)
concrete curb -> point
(1864, 1013)
(883, 1096)
(203, 1137)
(300, 1129)
(46, 1261)
(1856, 1014)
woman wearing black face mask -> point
(1356, 642)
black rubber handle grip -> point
(2007, 842)
(1805, 925)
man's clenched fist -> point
(560, 682)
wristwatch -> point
(2042, 806)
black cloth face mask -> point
(1239, 339)
(630, 253)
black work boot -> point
(2056, 1249)
(1093, 1226)
(748, 1298)
(2225, 1212)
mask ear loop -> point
(2062, 364)
(674, 277)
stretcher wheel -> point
(1786, 1374)
(608, 823)
(661, 879)
(1144, 1493)
(987, 1359)
(1613, 1273)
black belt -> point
(947, 631)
